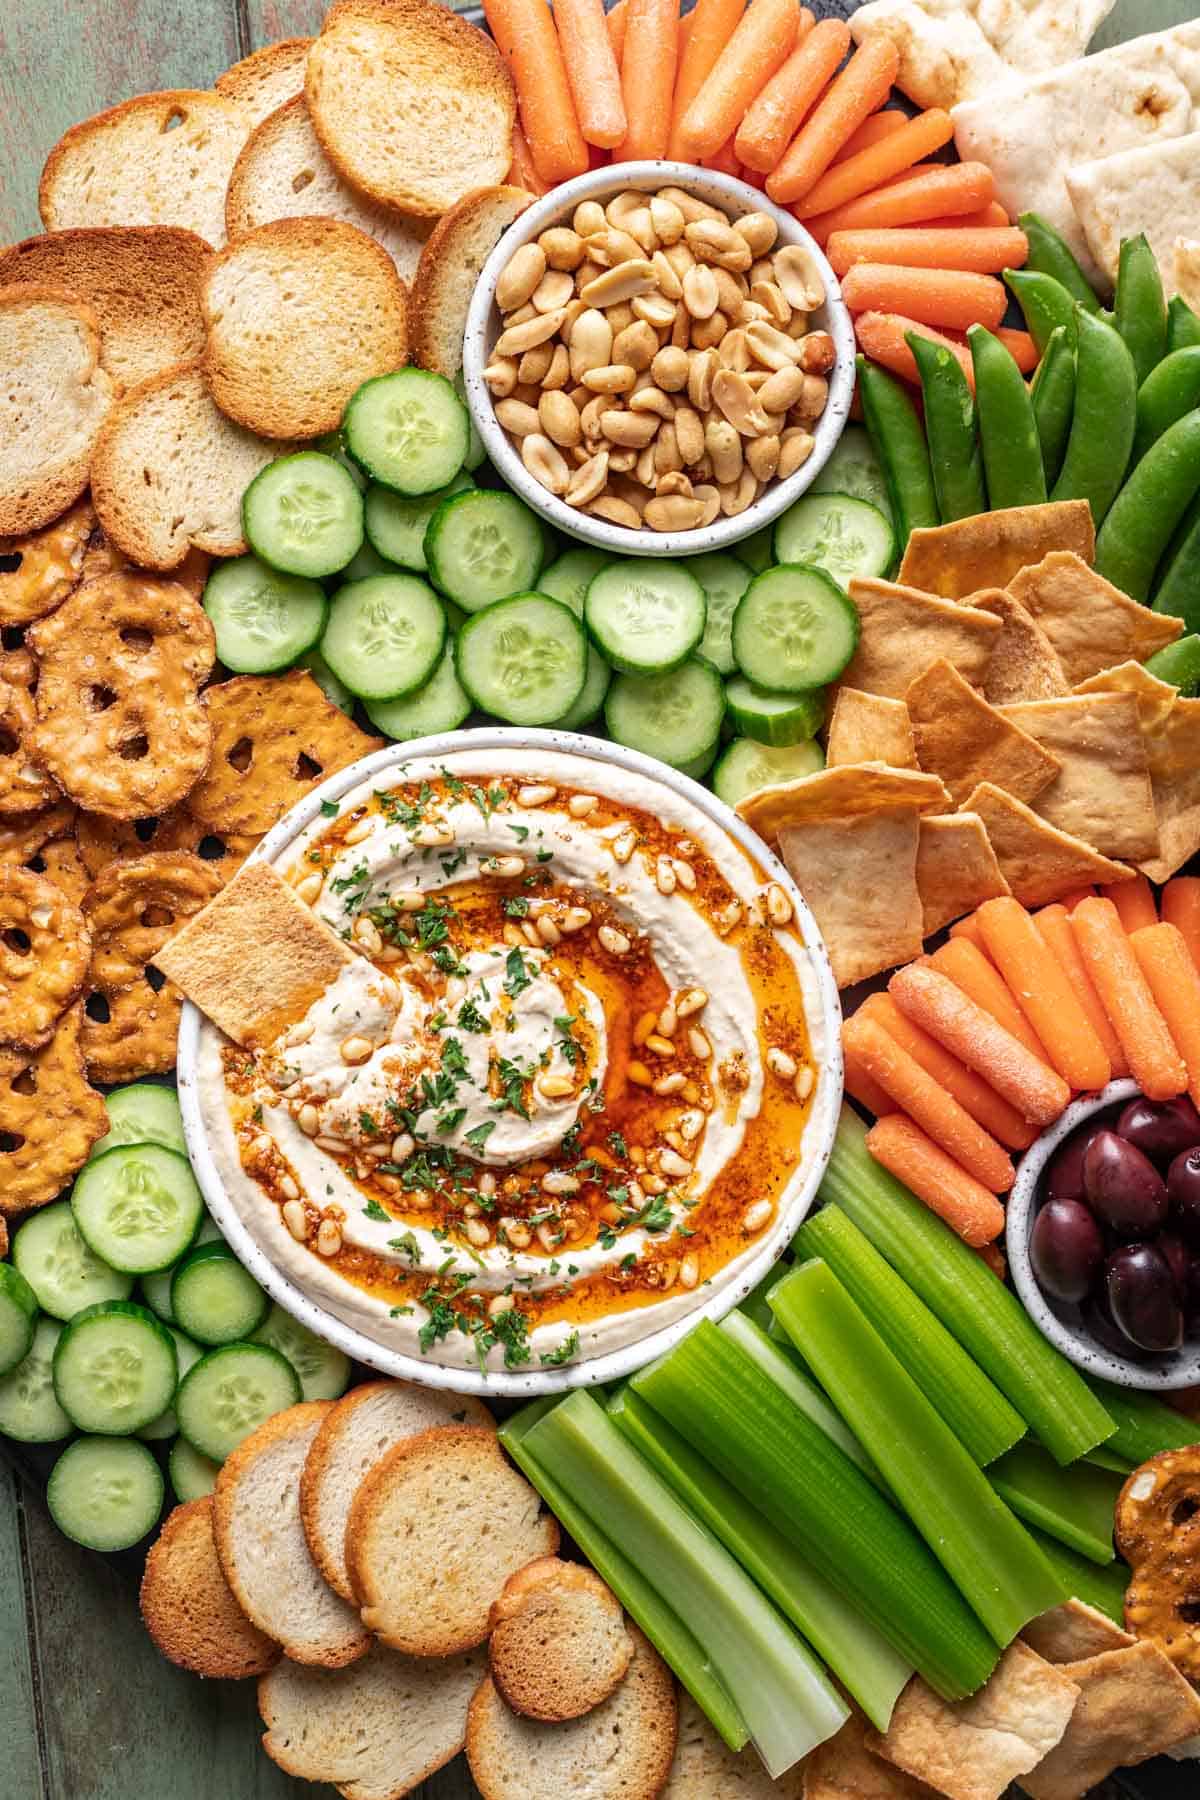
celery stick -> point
(1103, 1458)
(860, 1658)
(1074, 1505)
(1102, 1588)
(666, 1631)
(958, 1286)
(1145, 1424)
(784, 1695)
(975, 1410)
(988, 1555)
(772, 1452)
(779, 1362)
(755, 1304)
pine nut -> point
(589, 480)
(331, 1145)
(798, 277)
(555, 1087)
(309, 889)
(299, 1034)
(501, 376)
(432, 837)
(670, 1084)
(559, 1182)
(698, 1044)
(664, 875)
(407, 900)
(614, 941)
(632, 431)
(557, 418)
(612, 378)
(693, 1001)
(803, 1086)
(329, 1238)
(477, 1233)
(545, 462)
(548, 931)
(689, 1270)
(624, 844)
(529, 933)
(639, 1074)
(520, 276)
(537, 793)
(519, 338)
(636, 276)
(359, 832)
(576, 919)
(517, 1233)
(671, 1163)
(781, 1064)
(289, 1187)
(367, 935)
(550, 1234)
(486, 1184)
(670, 369)
(779, 907)
(756, 1216)
(580, 806)
(691, 1124)
(644, 1027)
(659, 1046)
(402, 1147)
(356, 1050)
(309, 1119)
(296, 1219)
(562, 248)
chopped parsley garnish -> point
(373, 1210)
(454, 1063)
(450, 1121)
(617, 1144)
(516, 907)
(470, 1018)
(407, 1246)
(329, 809)
(398, 811)
(554, 1359)
(367, 1125)
(520, 832)
(478, 1135)
(512, 1080)
(516, 975)
(353, 887)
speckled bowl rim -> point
(614, 1364)
(483, 325)
(1181, 1368)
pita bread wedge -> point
(1024, 664)
(1155, 190)
(858, 873)
(957, 868)
(1039, 863)
(964, 740)
(971, 1749)
(1173, 753)
(842, 1768)
(255, 958)
(988, 549)
(268, 77)
(869, 728)
(904, 630)
(953, 53)
(1156, 699)
(1102, 790)
(1073, 1631)
(1133, 1703)
(1091, 623)
(845, 792)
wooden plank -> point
(269, 20)
(17, 1707)
(60, 64)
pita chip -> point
(1133, 1704)
(1156, 699)
(1024, 664)
(957, 868)
(869, 728)
(1039, 862)
(971, 1749)
(1073, 1631)
(905, 630)
(1173, 752)
(964, 740)
(1154, 189)
(845, 792)
(987, 550)
(842, 1768)
(1102, 790)
(858, 873)
(1091, 623)
(255, 958)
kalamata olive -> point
(1174, 1253)
(1096, 1318)
(1141, 1294)
(1062, 1178)
(1160, 1129)
(1123, 1188)
(1065, 1249)
(1183, 1191)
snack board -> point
(960, 681)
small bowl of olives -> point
(1103, 1237)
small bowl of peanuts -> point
(658, 359)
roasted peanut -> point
(781, 390)
(724, 448)
(762, 456)
(690, 205)
(644, 467)
(679, 257)
(733, 352)
(559, 419)
(759, 230)
(625, 488)
(621, 205)
(753, 309)
(675, 512)
(798, 277)
(715, 241)
(629, 430)
(610, 247)
(636, 276)
(666, 449)
(520, 314)
(588, 481)
(811, 403)
(637, 345)
(670, 284)
(736, 497)
(527, 392)
(734, 396)
(562, 248)
(518, 418)
(617, 512)
(770, 346)
(589, 416)
(795, 448)
(712, 503)
(614, 378)
(704, 365)
(817, 354)
(673, 482)
(797, 325)
(591, 343)
(501, 376)
(700, 294)
(545, 463)
(520, 276)
(670, 369)
(587, 271)
(640, 227)
(654, 310)
(667, 219)
(706, 334)
(652, 400)
(588, 217)
(518, 338)
(689, 434)
(533, 365)
(732, 293)
(769, 295)
(623, 462)
(621, 317)
(552, 291)
(559, 371)
(681, 329)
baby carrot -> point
(616, 23)
(725, 159)
(1167, 964)
(1072, 898)
(761, 42)
(944, 189)
(960, 1201)
(712, 23)
(969, 1089)
(937, 1004)
(648, 78)
(945, 297)
(880, 125)
(991, 217)
(1154, 1062)
(879, 162)
(1054, 928)
(524, 31)
(522, 173)
(882, 338)
(1181, 908)
(860, 1087)
(993, 1256)
(861, 89)
(1134, 901)
(771, 119)
(978, 977)
(592, 72)
(1020, 347)
(969, 928)
(1037, 982)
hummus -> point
(563, 1089)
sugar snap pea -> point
(1179, 663)
(899, 443)
(1045, 303)
(1183, 325)
(1178, 589)
(1138, 528)
(1052, 392)
(1169, 391)
(1103, 421)
(1141, 311)
(1052, 255)
(1012, 453)
(950, 429)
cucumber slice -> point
(214, 1298)
(476, 451)
(777, 719)
(793, 630)
(192, 1476)
(853, 468)
(209, 1233)
(408, 430)
(114, 1368)
(29, 1409)
(591, 695)
(570, 575)
(304, 515)
(441, 705)
(187, 1355)
(335, 691)
(156, 1292)
(18, 1316)
(142, 1113)
(746, 766)
(63, 1272)
(758, 550)
(323, 1371)
(839, 533)
(331, 445)
(523, 659)
(483, 546)
(384, 636)
(646, 616)
(138, 1207)
(365, 563)
(231, 1392)
(676, 717)
(396, 523)
(263, 620)
(724, 580)
(105, 1493)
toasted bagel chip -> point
(1102, 790)
(264, 80)
(1039, 862)
(904, 631)
(49, 1117)
(450, 265)
(23, 785)
(103, 558)
(187, 1606)
(44, 566)
(957, 868)
(558, 1645)
(964, 740)
(45, 947)
(989, 549)
(54, 399)
(869, 728)
(1091, 624)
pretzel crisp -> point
(49, 1117)
(1157, 1527)
(38, 572)
(23, 786)
(45, 948)
(103, 841)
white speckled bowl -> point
(1060, 1323)
(824, 1019)
(483, 328)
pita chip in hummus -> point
(1155, 190)
(951, 52)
